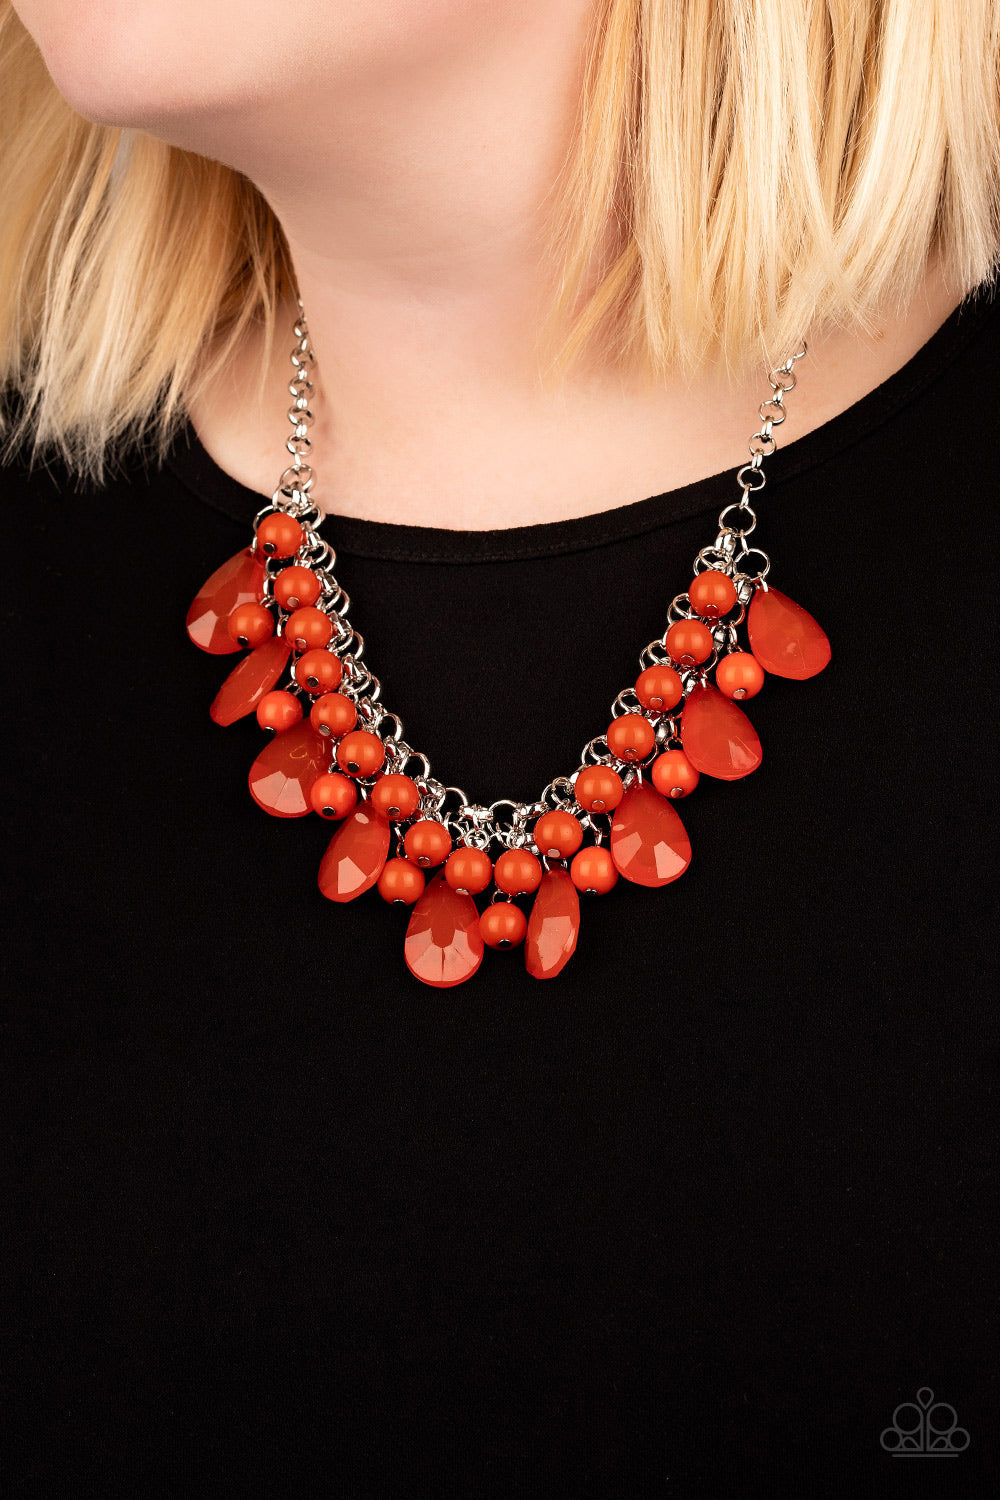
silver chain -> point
(507, 823)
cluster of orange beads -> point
(620, 820)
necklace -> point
(338, 752)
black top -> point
(695, 1216)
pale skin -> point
(409, 149)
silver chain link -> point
(507, 822)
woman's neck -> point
(417, 222)
(408, 435)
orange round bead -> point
(360, 753)
(279, 535)
(295, 587)
(673, 774)
(659, 688)
(427, 842)
(333, 715)
(250, 625)
(401, 882)
(689, 642)
(308, 628)
(558, 834)
(318, 671)
(396, 796)
(739, 675)
(630, 737)
(712, 594)
(333, 795)
(517, 872)
(503, 925)
(598, 789)
(468, 870)
(278, 711)
(593, 870)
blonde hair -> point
(763, 166)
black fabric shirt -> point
(691, 1219)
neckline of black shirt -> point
(190, 462)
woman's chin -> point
(132, 63)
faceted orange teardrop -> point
(553, 926)
(444, 943)
(717, 736)
(355, 855)
(649, 843)
(284, 771)
(784, 637)
(246, 684)
(238, 581)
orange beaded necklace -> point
(347, 760)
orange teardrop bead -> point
(246, 684)
(717, 736)
(355, 855)
(238, 581)
(282, 775)
(649, 843)
(784, 637)
(444, 944)
(553, 926)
